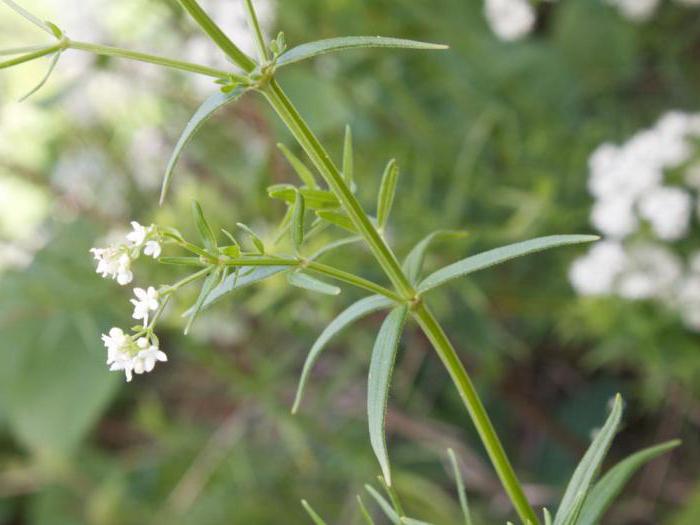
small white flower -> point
(146, 300)
(510, 19)
(614, 216)
(595, 272)
(635, 10)
(152, 248)
(125, 363)
(147, 357)
(138, 236)
(115, 342)
(668, 210)
(124, 273)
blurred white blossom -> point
(510, 19)
(642, 218)
(643, 10)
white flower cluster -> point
(510, 19)
(641, 215)
(131, 354)
(643, 10)
(115, 260)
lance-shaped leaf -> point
(297, 225)
(205, 231)
(384, 505)
(387, 190)
(461, 491)
(337, 218)
(28, 16)
(209, 284)
(45, 78)
(312, 513)
(304, 173)
(411, 521)
(349, 160)
(365, 513)
(254, 238)
(497, 256)
(306, 282)
(246, 276)
(379, 381)
(413, 263)
(315, 199)
(605, 491)
(356, 311)
(547, 517)
(320, 47)
(587, 469)
(203, 113)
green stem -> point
(21, 50)
(145, 57)
(484, 427)
(255, 25)
(218, 36)
(324, 164)
(352, 279)
(32, 56)
(187, 280)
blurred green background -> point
(491, 137)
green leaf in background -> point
(547, 517)
(297, 226)
(461, 491)
(384, 505)
(608, 488)
(387, 190)
(349, 159)
(413, 263)
(320, 47)
(205, 231)
(337, 218)
(364, 512)
(54, 383)
(356, 311)
(303, 172)
(379, 381)
(575, 512)
(315, 199)
(203, 113)
(306, 282)
(311, 512)
(587, 469)
(498, 256)
(411, 521)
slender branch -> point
(22, 50)
(32, 56)
(146, 57)
(259, 37)
(352, 279)
(484, 427)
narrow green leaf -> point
(387, 190)
(605, 491)
(498, 256)
(393, 496)
(45, 78)
(315, 199)
(572, 516)
(29, 56)
(352, 313)
(207, 287)
(297, 226)
(349, 160)
(547, 517)
(587, 469)
(379, 381)
(255, 239)
(364, 512)
(230, 236)
(315, 517)
(411, 521)
(384, 505)
(205, 231)
(27, 16)
(461, 491)
(22, 50)
(304, 173)
(337, 219)
(413, 264)
(203, 113)
(306, 282)
(182, 261)
(320, 47)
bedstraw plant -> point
(227, 260)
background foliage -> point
(491, 137)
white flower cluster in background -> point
(643, 10)
(510, 19)
(643, 218)
(139, 352)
